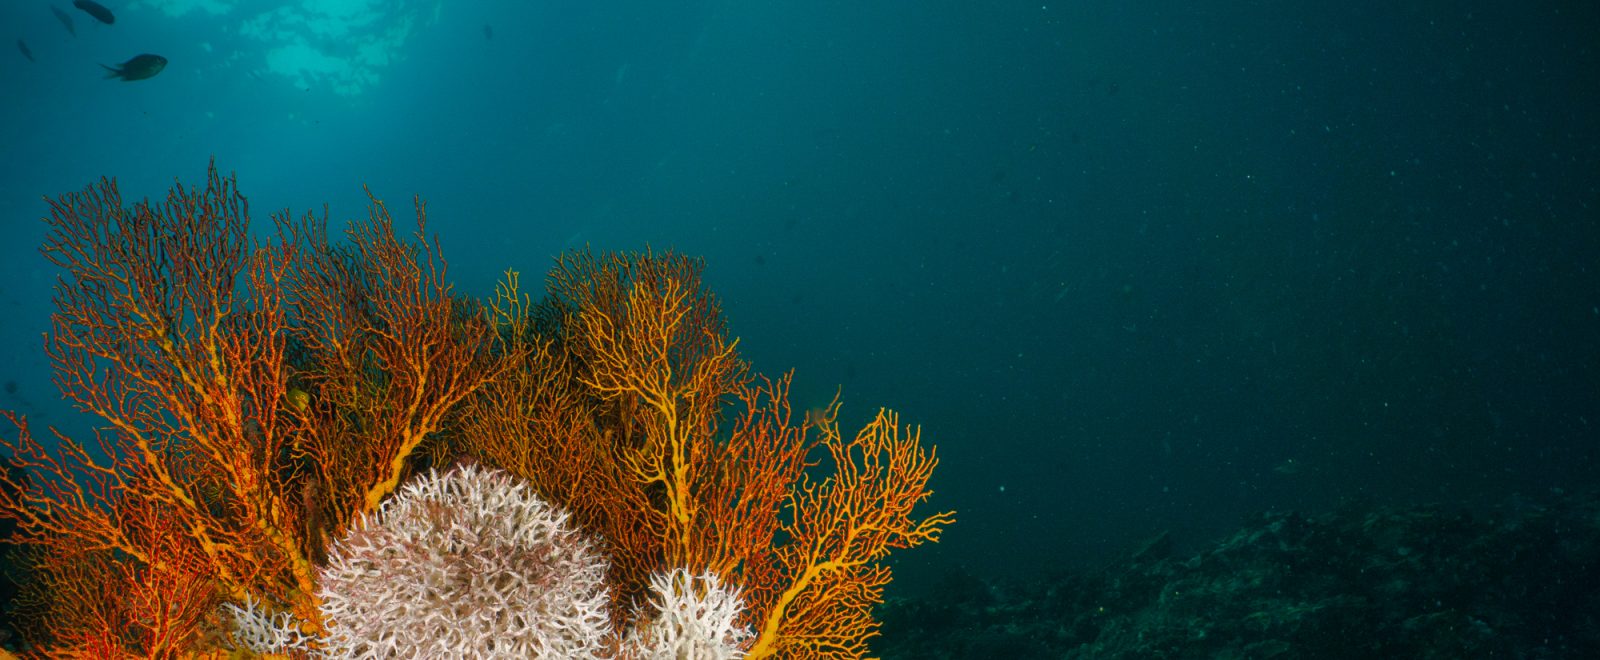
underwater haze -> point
(1134, 267)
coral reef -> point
(1360, 582)
(260, 398)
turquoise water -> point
(1134, 269)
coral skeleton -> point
(255, 630)
(696, 618)
(468, 563)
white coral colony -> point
(465, 564)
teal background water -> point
(1132, 266)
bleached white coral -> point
(465, 564)
(695, 618)
(261, 633)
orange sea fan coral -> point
(255, 397)
(382, 350)
(838, 531)
(635, 380)
(169, 328)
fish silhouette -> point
(66, 21)
(23, 46)
(96, 10)
(139, 68)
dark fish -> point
(138, 68)
(488, 32)
(96, 10)
(66, 21)
(23, 46)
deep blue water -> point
(1132, 266)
